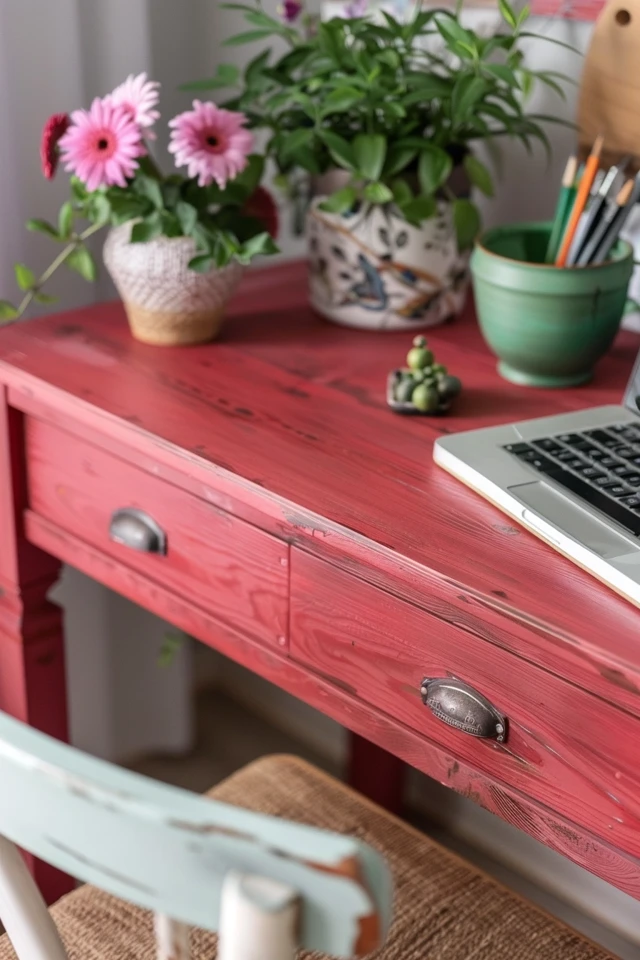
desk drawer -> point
(573, 752)
(228, 567)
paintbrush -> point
(563, 207)
(584, 189)
(612, 211)
(591, 217)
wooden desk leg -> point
(32, 673)
(376, 774)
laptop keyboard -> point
(600, 466)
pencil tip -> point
(570, 171)
(597, 147)
(625, 193)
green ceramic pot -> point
(547, 325)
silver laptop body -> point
(604, 545)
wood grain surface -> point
(283, 425)
(285, 422)
(566, 748)
(539, 821)
(219, 561)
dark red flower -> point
(55, 127)
(290, 10)
(262, 206)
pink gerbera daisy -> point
(211, 143)
(102, 144)
(141, 96)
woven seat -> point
(445, 909)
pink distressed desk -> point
(310, 537)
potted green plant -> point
(176, 244)
(386, 113)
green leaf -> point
(398, 159)
(508, 14)
(99, 208)
(83, 263)
(402, 193)
(523, 15)
(478, 174)
(227, 75)
(43, 226)
(341, 100)
(44, 298)
(249, 179)
(526, 82)
(250, 36)
(452, 31)
(202, 264)
(258, 19)
(25, 278)
(466, 220)
(259, 245)
(391, 108)
(391, 58)
(146, 230)
(7, 310)
(187, 216)
(378, 193)
(125, 208)
(149, 188)
(170, 224)
(415, 211)
(560, 43)
(340, 202)
(302, 137)
(171, 645)
(340, 149)
(305, 102)
(466, 93)
(254, 72)
(436, 90)
(548, 81)
(308, 160)
(430, 84)
(434, 168)
(502, 72)
(370, 151)
(78, 189)
(65, 220)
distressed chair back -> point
(257, 880)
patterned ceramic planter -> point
(373, 270)
(167, 304)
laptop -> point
(572, 479)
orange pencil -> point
(584, 189)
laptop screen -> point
(632, 393)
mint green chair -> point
(267, 885)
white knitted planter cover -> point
(165, 301)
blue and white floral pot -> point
(371, 269)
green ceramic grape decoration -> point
(424, 386)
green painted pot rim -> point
(626, 250)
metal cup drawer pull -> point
(462, 707)
(137, 530)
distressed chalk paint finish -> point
(32, 672)
(193, 861)
(311, 538)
